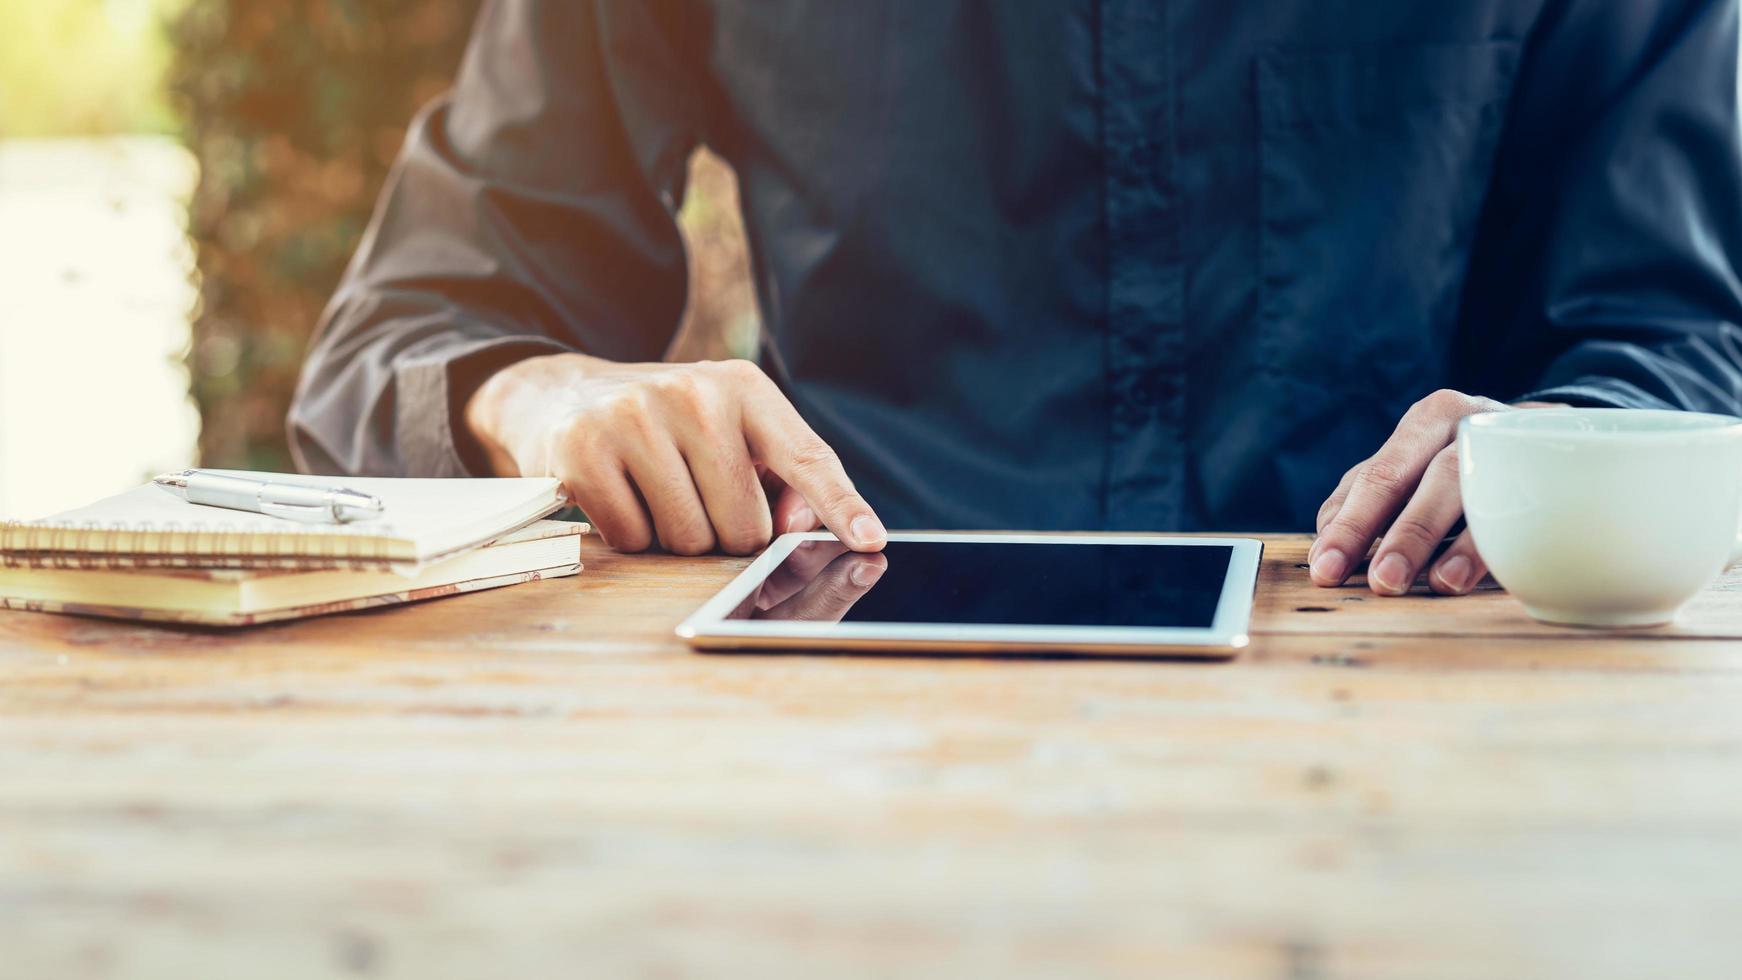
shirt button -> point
(1151, 390)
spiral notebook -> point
(423, 521)
(246, 597)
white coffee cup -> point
(1603, 517)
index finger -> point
(781, 441)
(1383, 484)
(1378, 491)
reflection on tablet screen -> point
(996, 583)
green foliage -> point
(295, 110)
(83, 67)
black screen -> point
(996, 583)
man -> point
(1127, 264)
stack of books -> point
(149, 555)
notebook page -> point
(436, 516)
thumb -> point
(790, 511)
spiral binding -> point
(95, 545)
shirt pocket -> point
(1373, 166)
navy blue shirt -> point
(1128, 264)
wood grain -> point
(540, 781)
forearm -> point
(528, 214)
(1638, 238)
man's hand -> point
(702, 455)
(1408, 491)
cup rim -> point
(1507, 423)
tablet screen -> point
(996, 583)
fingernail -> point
(802, 519)
(1330, 567)
(866, 531)
(1455, 573)
(865, 574)
(1392, 574)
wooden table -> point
(539, 781)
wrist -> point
(498, 409)
(479, 419)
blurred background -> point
(181, 184)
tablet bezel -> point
(708, 628)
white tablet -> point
(965, 592)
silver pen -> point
(313, 505)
